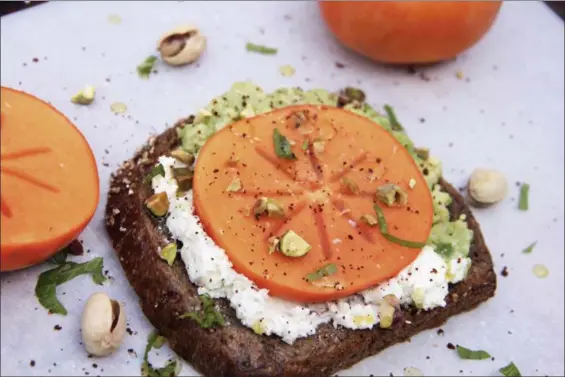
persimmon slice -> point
(318, 203)
(49, 183)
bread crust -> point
(234, 350)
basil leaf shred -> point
(260, 49)
(144, 69)
(155, 171)
(511, 370)
(394, 124)
(46, 287)
(524, 194)
(384, 231)
(172, 367)
(530, 248)
(327, 270)
(208, 317)
(467, 354)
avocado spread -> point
(451, 238)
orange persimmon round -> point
(50, 186)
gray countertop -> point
(507, 114)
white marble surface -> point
(508, 116)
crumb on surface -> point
(451, 346)
(504, 271)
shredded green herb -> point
(260, 49)
(208, 316)
(46, 287)
(172, 367)
(524, 193)
(511, 370)
(305, 144)
(145, 68)
(327, 270)
(384, 231)
(468, 354)
(282, 146)
(394, 124)
(157, 170)
(530, 248)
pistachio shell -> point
(181, 45)
(487, 187)
(103, 324)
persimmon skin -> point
(409, 32)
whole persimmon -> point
(409, 32)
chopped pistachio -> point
(361, 320)
(355, 94)
(169, 253)
(182, 156)
(267, 206)
(392, 300)
(118, 107)
(287, 70)
(423, 153)
(318, 146)
(158, 204)
(114, 19)
(292, 245)
(392, 195)
(258, 327)
(370, 220)
(234, 186)
(273, 244)
(184, 177)
(540, 271)
(350, 95)
(386, 314)
(260, 207)
(418, 297)
(85, 96)
(349, 186)
(305, 145)
(412, 372)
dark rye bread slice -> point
(233, 350)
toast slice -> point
(165, 292)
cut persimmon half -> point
(323, 183)
(50, 186)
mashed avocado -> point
(451, 239)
